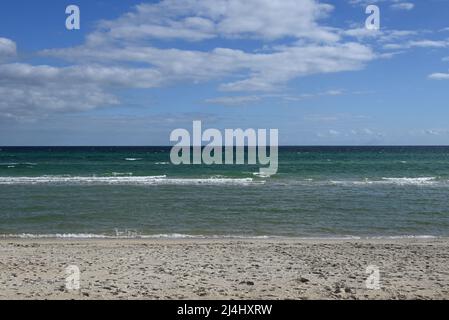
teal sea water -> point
(136, 192)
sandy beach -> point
(225, 269)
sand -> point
(225, 269)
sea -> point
(135, 192)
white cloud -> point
(333, 93)
(268, 71)
(7, 49)
(108, 60)
(367, 132)
(234, 100)
(331, 133)
(341, 118)
(439, 76)
(435, 44)
(300, 97)
(432, 132)
(29, 91)
(199, 20)
(251, 99)
(264, 71)
(364, 2)
(394, 4)
(383, 35)
(264, 19)
(19, 73)
(407, 6)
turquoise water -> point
(136, 192)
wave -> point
(392, 181)
(191, 236)
(133, 159)
(119, 174)
(127, 178)
(423, 237)
(19, 164)
(422, 182)
(128, 236)
(124, 180)
(425, 180)
(261, 175)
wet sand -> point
(225, 269)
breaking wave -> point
(191, 236)
(124, 180)
(393, 181)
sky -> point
(136, 70)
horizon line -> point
(170, 146)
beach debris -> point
(303, 280)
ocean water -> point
(319, 192)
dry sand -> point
(225, 269)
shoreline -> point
(409, 268)
(184, 237)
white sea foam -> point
(391, 181)
(118, 174)
(399, 237)
(133, 159)
(124, 180)
(191, 236)
(18, 164)
(412, 181)
(261, 175)
(56, 236)
(127, 236)
(403, 237)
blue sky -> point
(137, 70)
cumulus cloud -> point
(264, 71)
(122, 53)
(199, 20)
(202, 20)
(7, 49)
(29, 91)
(35, 91)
